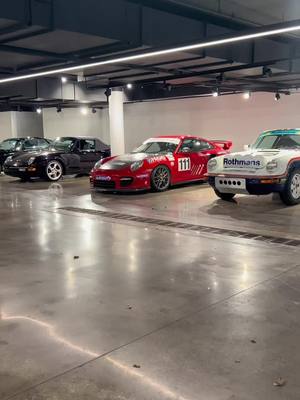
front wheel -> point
(54, 170)
(225, 196)
(160, 178)
(291, 193)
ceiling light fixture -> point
(129, 85)
(84, 110)
(58, 109)
(246, 95)
(263, 33)
(64, 79)
(277, 96)
(94, 110)
(39, 110)
(215, 93)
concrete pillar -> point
(116, 122)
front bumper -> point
(253, 186)
(22, 171)
(113, 182)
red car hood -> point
(125, 161)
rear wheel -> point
(160, 178)
(225, 196)
(54, 170)
(291, 194)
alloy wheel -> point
(54, 170)
(161, 178)
(295, 186)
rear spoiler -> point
(225, 144)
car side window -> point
(30, 144)
(42, 143)
(87, 145)
(194, 146)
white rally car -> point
(271, 165)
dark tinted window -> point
(30, 144)
(87, 145)
(42, 143)
(278, 142)
(9, 144)
(194, 146)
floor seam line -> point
(199, 311)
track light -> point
(39, 110)
(246, 95)
(84, 110)
(273, 30)
(107, 93)
(277, 96)
(64, 79)
(215, 93)
(58, 109)
(266, 72)
(129, 85)
(94, 110)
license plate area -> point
(231, 185)
(103, 178)
(22, 169)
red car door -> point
(191, 160)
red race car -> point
(157, 164)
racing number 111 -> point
(184, 164)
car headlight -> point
(212, 164)
(98, 164)
(31, 160)
(271, 165)
(8, 159)
(136, 165)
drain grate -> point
(190, 227)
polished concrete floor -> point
(99, 308)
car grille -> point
(125, 182)
(105, 184)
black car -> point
(14, 146)
(65, 156)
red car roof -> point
(179, 136)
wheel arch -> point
(293, 165)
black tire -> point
(160, 178)
(54, 171)
(225, 196)
(291, 193)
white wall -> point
(225, 117)
(5, 125)
(71, 122)
(26, 124)
(20, 124)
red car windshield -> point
(156, 148)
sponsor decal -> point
(155, 159)
(184, 164)
(233, 162)
(103, 178)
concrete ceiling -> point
(38, 35)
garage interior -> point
(172, 295)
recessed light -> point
(246, 95)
